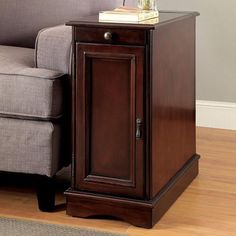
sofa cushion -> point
(26, 91)
(31, 147)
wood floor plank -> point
(207, 207)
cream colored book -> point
(124, 14)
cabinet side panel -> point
(172, 100)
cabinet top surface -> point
(164, 17)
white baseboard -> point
(212, 114)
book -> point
(127, 14)
(151, 21)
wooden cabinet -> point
(133, 119)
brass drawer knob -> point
(108, 36)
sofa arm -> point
(53, 48)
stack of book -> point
(127, 15)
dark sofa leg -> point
(46, 193)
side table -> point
(134, 140)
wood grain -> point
(172, 87)
(107, 153)
(207, 207)
(134, 118)
(119, 36)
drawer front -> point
(110, 35)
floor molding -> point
(213, 114)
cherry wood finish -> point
(123, 36)
(133, 117)
(137, 212)
(172, 102)
(109, 95)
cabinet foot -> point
(137, 212)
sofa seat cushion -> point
(28, 146)
(26, 91)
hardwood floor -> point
(207, 207)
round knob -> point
(108, 36)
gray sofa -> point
(34, 85)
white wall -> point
(216, 46)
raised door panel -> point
(109, 99)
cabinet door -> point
(109, 140)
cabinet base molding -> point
(137, 212)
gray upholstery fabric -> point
(20, 20)
(29, 146)
(53, 48)
(27, 91)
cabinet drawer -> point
(110, 35)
